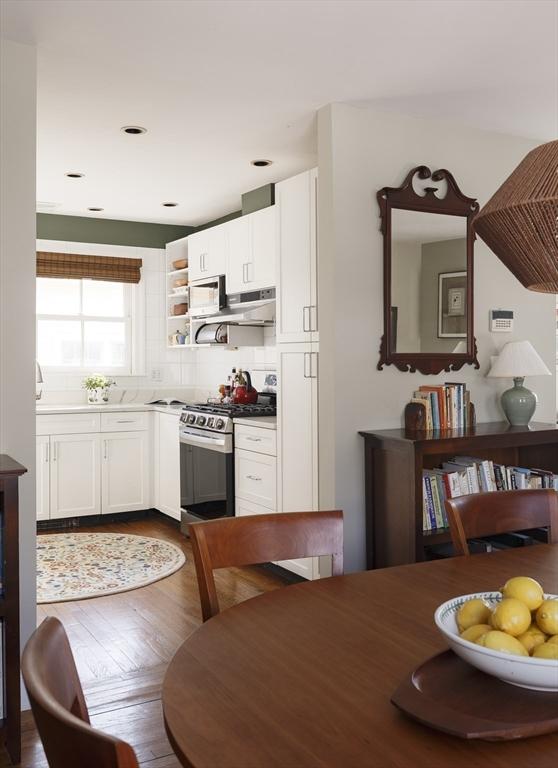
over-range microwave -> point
(207, 296)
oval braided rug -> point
(74, 566)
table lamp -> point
(517, 360)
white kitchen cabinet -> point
(167, 464)
(297, 304)
(297, 437)
(207, 254)
(125, 474)
(75, 475)
(43, 477)
(239, 253)
(256, 478)
(251, 251)
(243, 508)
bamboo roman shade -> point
(75, 265)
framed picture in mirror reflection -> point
(452, 305)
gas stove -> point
(217, 417)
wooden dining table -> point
(301, 677)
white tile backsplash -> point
(199, 370)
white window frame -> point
(134, 312)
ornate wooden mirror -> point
(428, 274)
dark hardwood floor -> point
(123, 643)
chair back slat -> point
(488, 514)
(252, 539)
(59, 708)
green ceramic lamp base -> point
(519, 403)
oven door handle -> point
(223, 445)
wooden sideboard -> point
(10, 723)
(394, 461)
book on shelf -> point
(464, 475)
(447, 406)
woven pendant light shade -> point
(520, 221)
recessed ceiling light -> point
(133, 130)
(95, 209)
(74, 175)
(261, 163)
(169, 205)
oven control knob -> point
(210, 421)
(191, 419)
(220, 424)
(200, 421)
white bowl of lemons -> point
(511, 634)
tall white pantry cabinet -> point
(297, 352)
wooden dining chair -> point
(253, 539)
(61, 716)
(487, 514)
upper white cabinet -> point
(207, 254)
(251, 251)
(297, 305)
(75, 475)
(125, 471)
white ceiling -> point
(221, 82)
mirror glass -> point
(428, 309)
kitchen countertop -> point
(267, 422)
(47, 410)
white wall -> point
(17, 295)
(185, 373)
(359, 152)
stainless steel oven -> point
(207, 458)
(206, 468)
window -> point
(84, 325)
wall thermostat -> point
(501, 320)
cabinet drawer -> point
(257, 439)
(255, 476)
(124, 421)
(68, 423)
(243, 508)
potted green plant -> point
(97, 387)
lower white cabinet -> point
(167, 464)
(75, 475)
(297, 438)
(84, 472)
(42, 470)
(125, 471)
(256, 478)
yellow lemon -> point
(532, 638)
(525, 589)
(553, 640)
(547, 617)
(500, 641)
(546, 651)
(474, 611)
(473, 633)
(511, 616)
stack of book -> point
(448, 406)
(466, 474)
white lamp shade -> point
(518, 359)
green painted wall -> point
(83, 229)
(259, 198)
(221, 220)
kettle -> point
(245, 394)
